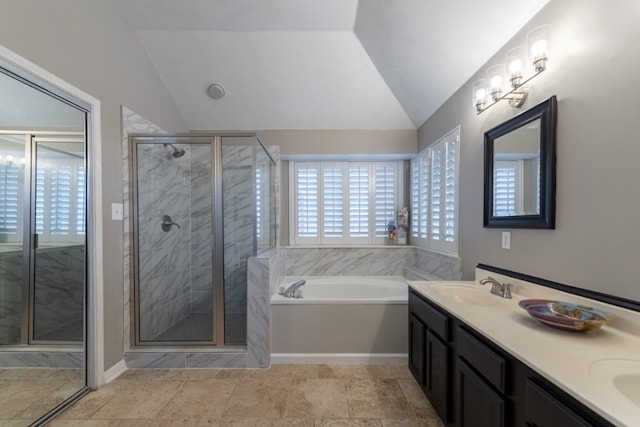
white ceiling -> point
(319, 64)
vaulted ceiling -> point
(319, 64)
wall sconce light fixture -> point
(508, 81)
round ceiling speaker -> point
(215, 91)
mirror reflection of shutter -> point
(60, 200)
(258, 199)
(9, 196)
(80, 186)
(385, 197)
(307, 201)
(504, 191)
(358, 201)
(333, 201)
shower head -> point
(177, 152)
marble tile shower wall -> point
(11, 300)
(238, 213)
(201, 230)
(164, 184)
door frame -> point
(57, 87)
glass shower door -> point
(173, 229)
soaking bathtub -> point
(341, 319)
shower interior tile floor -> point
(285, 395)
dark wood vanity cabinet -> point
(471, 382)
(429, 353)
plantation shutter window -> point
(434, 183)
(353, 202)
(10, 189)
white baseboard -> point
(115, 371)
(337, 358)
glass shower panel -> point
(239, 207)
(12, 176)
(174, 228)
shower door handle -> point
(167, 223)
(35, 241)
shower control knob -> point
(167, 223)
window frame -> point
(443, 237)
(373, 237)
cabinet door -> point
(417, 350)
(479, 405)
(438, 377)
(543, 410)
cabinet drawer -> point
(435, 320)
(487, 362)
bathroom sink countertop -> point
(571, 360)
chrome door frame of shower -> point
(215, 140)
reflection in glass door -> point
(58, 225)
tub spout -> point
(293, 290)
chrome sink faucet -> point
(497, 288)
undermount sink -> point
(467, 294)
(623, 375)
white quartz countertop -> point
(570, 360)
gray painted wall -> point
(87, 44)
(592, 70)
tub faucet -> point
(497, 288)
(293, 290)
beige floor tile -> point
(266, 422)
(199, 399)
(265, 398)
(315, 398)
(389, 371)
(411, 423)
(89, 404)
(344, 371)
(295, 371)
(26, 373)
(17, 395)
(244, 373)
(348, 423)
(187, 422)
(418, 402)
(139, 400)
(377, 399)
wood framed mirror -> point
(520, 170)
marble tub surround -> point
(284, 395)
(370, 261)
(539, 346)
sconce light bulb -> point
(515, 66)
(23, 160)
(10, 159)
(496, 82)
(539, 49)
(481, 94)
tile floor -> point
(285, 395)
(29, 393)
